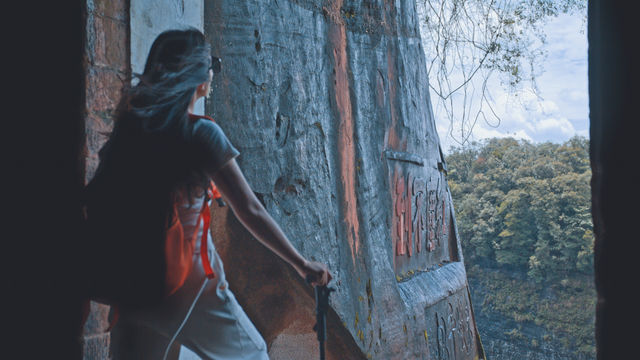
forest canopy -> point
(523, 212)
(524, 206)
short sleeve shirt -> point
(214, 150)
(212, 145)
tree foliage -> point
(524, 218)
(525, 207)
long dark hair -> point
(148, 149)
(147, 157)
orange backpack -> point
(179, 250)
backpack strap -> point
(205, 215)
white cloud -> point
(561, 125)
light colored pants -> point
(217, 328)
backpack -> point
(135, 257)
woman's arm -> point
(237, 192)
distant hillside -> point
(524, 218)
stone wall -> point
(107, 70)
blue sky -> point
(561, 109)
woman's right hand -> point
(316, 273)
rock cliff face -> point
(328, 103)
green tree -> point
(523, 212)
(524, 206)
(517, 239)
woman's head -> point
(178, 65)
(178, 52)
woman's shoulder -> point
(204, 128)
(209, 137)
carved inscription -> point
(419, 214)
(465, 325)
(403, 216)
(436, 217)
(432, 219)
(418, 189)
(443, 348)
(454, 331)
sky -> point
(562, 108)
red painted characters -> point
(418, 214)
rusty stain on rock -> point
(346, 145)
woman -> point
(158, 145)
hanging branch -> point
(466, 41)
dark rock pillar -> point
(328, 103)
(107, 71)
(613, 98)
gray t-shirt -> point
(213, 150)
(212, 147)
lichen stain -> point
(346, 146)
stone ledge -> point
(428, 288)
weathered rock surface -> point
(328, 103)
